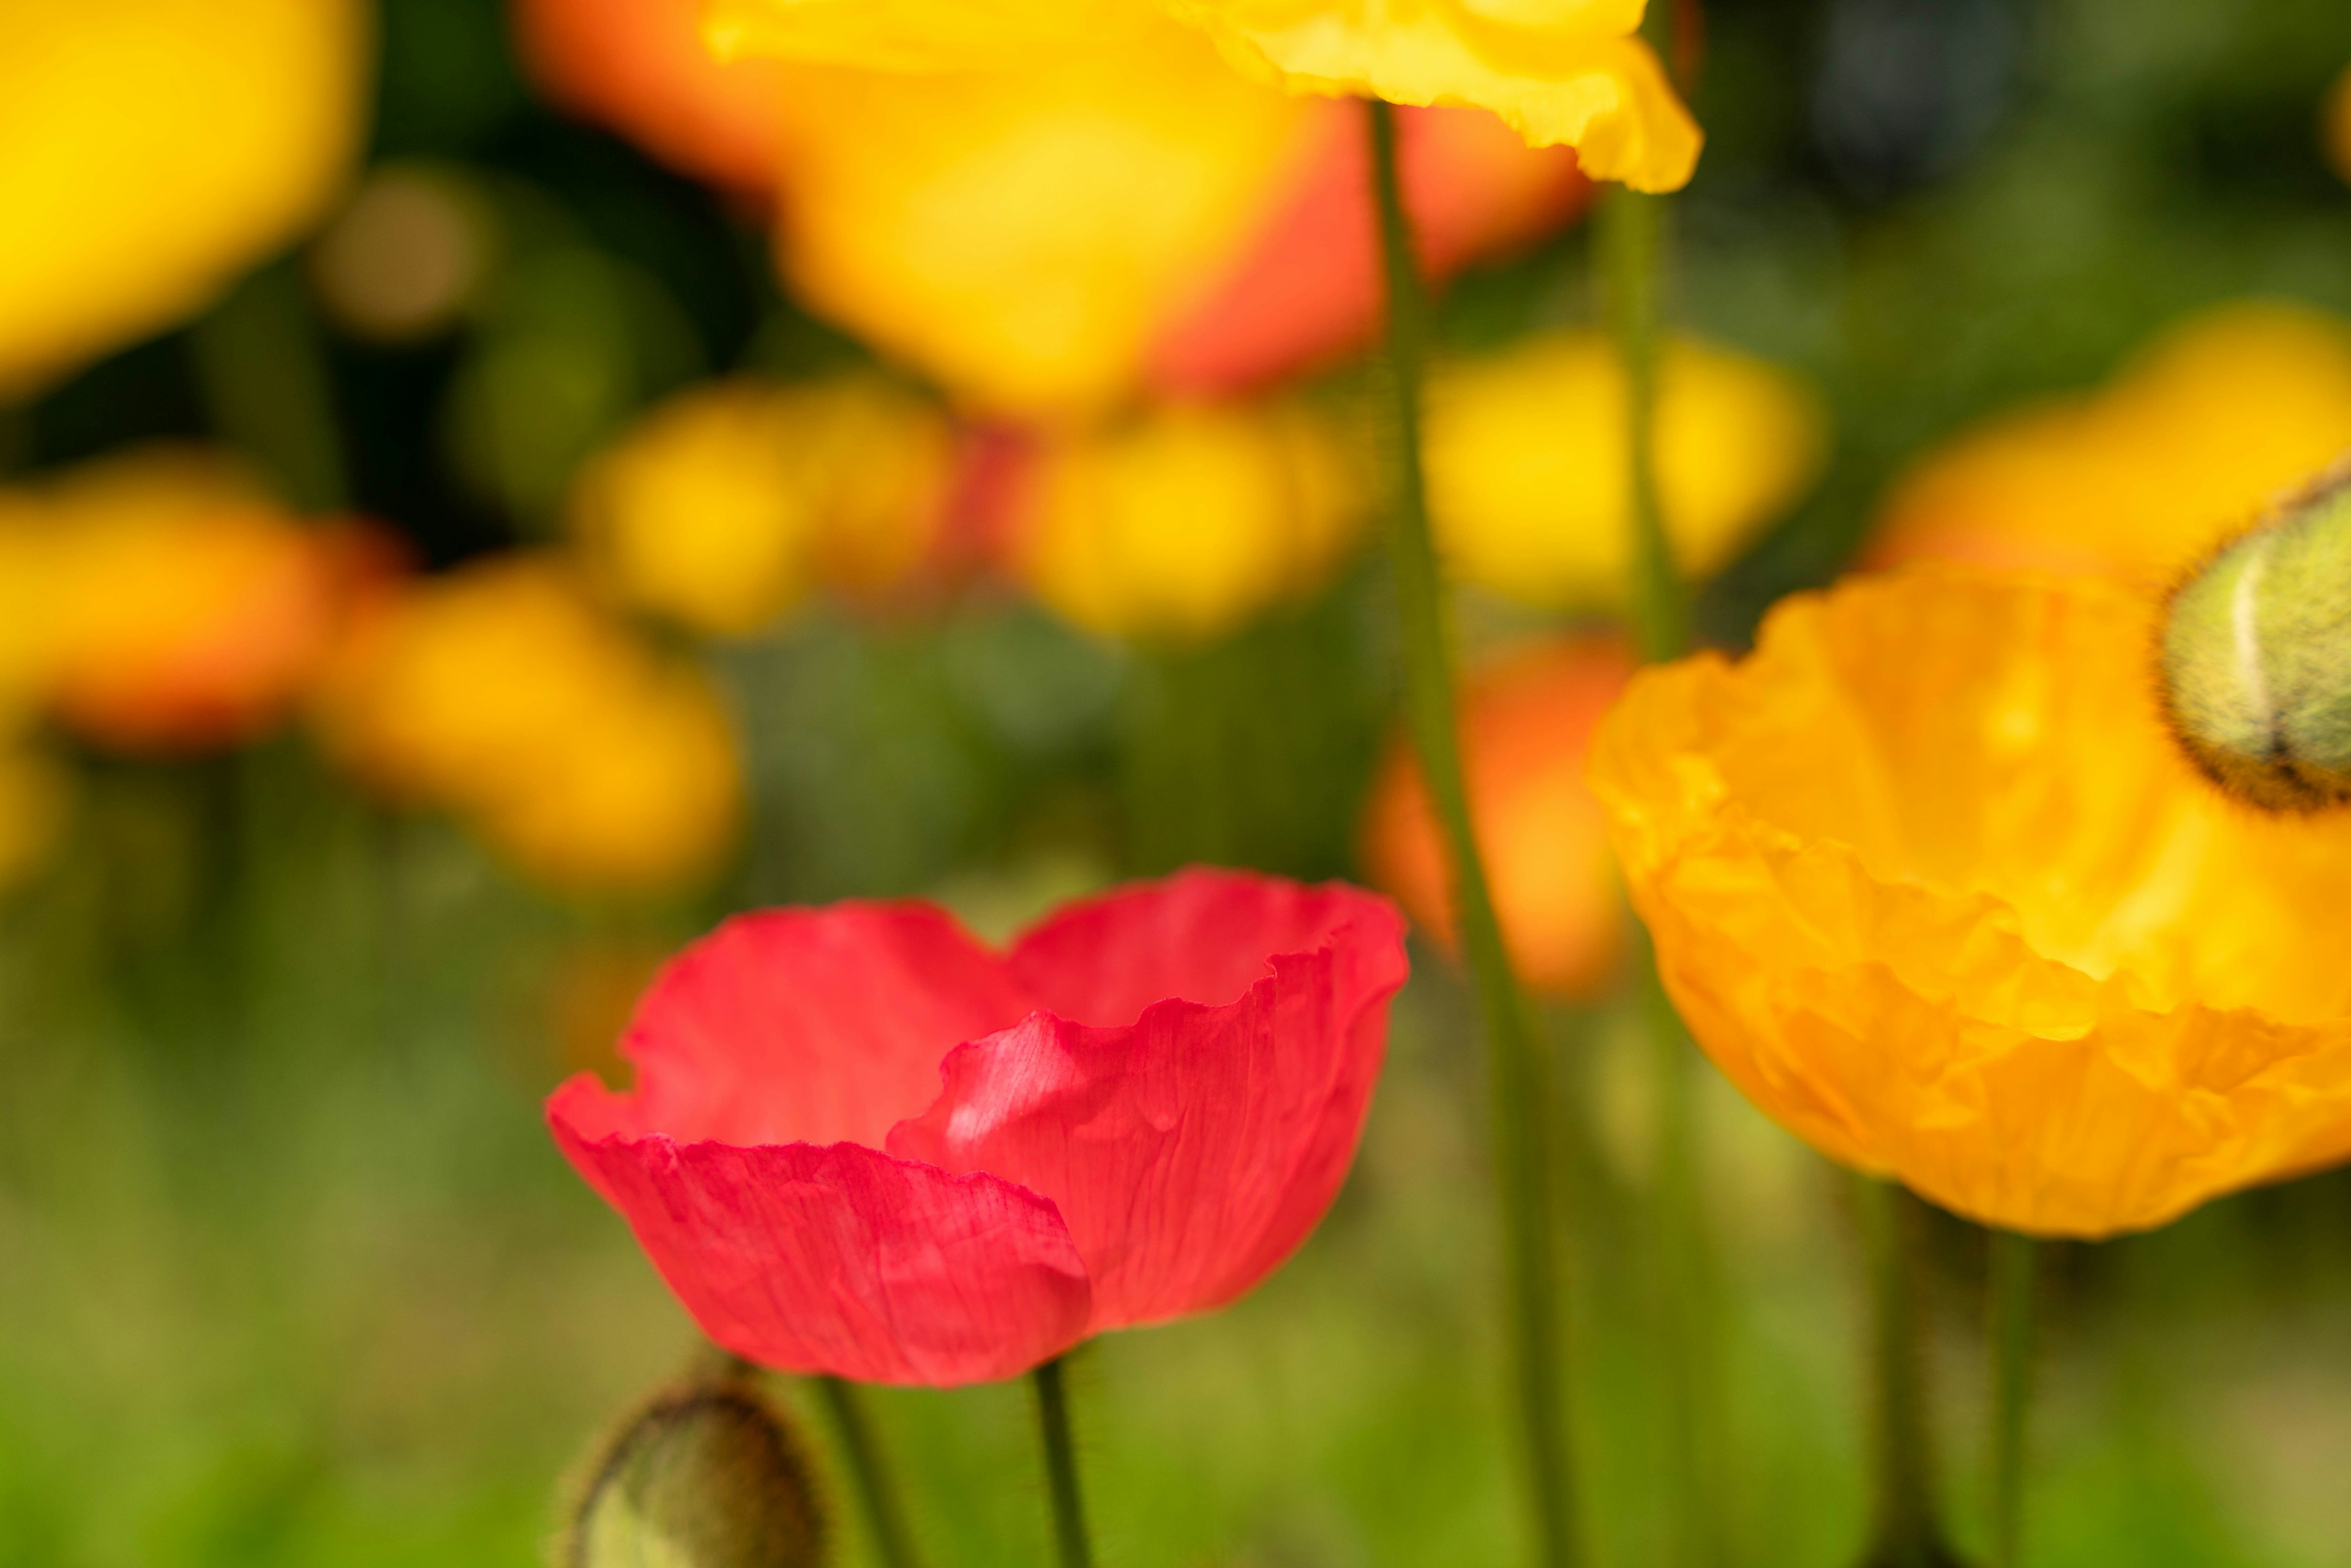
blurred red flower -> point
(862, 1142)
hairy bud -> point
(708, 1475)
(2256, 657)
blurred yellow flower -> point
(1187, 522)
(1931, 884)
(1567, 72)
(1018, 234)
(149, 150)
(725, 505)
(2337, 128)
(161, 601)
(501, 692)
(2185, 446)
(1526, 725)
(1528, 483)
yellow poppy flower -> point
(1929, 881)
(1571, 72)
(1528, 485)
(501, 692)
(2186, 445)
(725, 505)
(1185, 524)
(1526, 724)
(149, 150)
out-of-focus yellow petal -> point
(725, 505)
(2336, 130)
(914, 35)
(1931, 883)
(1526, 724)
(1528, 482)
(501, 692)
(151, 149)
(1186, 524)
(1018, 235)
(2185, 446)
(1561, 71)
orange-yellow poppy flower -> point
(1931, 884)
(1562, 72)
(1526, 726)
(2186, 445)
(502, 693)
(1187, 522)
(173, 605)
(1529, 490)
(724, 506)
(149, 150)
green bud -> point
(2256, 657)
(708, 1475)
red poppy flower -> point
(861, 1142)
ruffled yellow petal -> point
(1186, 524)
(2186, 445)
(1560, 71)
(1527, 475)
(151, 149)
(1018, 235)
(1930, 883)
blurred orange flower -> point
(149, 150)
(722, 507)
(1183, 524)
(1560, 71)
(167, 604)
(1526, 724)
(2182, 448)
(501, 692)
(1528, 483)
(1931, 884)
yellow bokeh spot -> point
(151, 150)
(724, 506)
(1529, 485)
(1189, 522)
(2184, 447)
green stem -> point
(1630, 239)
(1061, 1468)
(1907, 1533)
(1686, 1292)
(2014, 1261)
(267, 388)
(884, 1513)
(1516, 1070)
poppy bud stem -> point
(1631, 229)
(1061, 1468)
(1907, 1533)
(893, 1542)
(1516, 1070)
(2014, 1261)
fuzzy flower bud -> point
(2256, 657)
(709, 1475)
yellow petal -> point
(1931, 883)
(1187, 523)
(1526, 453)
(910, 35)
(1561, 71)
(151, 149)
(1018, 235)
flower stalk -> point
(2015, 1261)
(1515, 1071)
(1074, 1548)
(877, 1492)
(1908, 1533)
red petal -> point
(810, 1025)
(839, 1259)
(1190, 1152)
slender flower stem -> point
(1516, 1071)
(884, 1513)
(2014, 1262)
(1061, 1468)
(1907, 1533)
(1630, 237)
